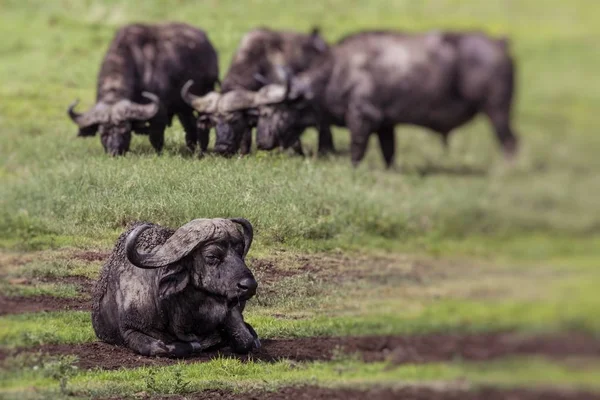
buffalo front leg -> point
(297, 148)
(360, 130)
(387, 144)
(157, 137)
(241, 336)
(325, 140)
(246, 141)
(188, 121)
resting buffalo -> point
(371, 81)
(255, 64)
(144, 59)
(172, 293)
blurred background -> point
(447, 242)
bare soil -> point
(27, 304)
(395, 349)
(405, 393)
(20, 304)
(91, 256)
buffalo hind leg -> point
(387, 144)
(144, 344)
(188, 121)
(500, 119)
(151, 347)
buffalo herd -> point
(174, 293)
(283, 82)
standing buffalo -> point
(255, 64)
(144, 59)
(172, 293)
(371, 81)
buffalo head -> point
(284, 113)
(205, 255)
(115, 121)
(233, 114)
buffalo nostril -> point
(247, 286)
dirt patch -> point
(406, 393)
(341, 268)
(21, 304)
(27, 304)
(91, 256)
(395, 349)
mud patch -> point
(29, 304)
(395, 349)
(407, 393)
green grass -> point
(503, 247)
(58, 190)
(235, 375)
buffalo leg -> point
(246, 143)
(500, 119)
(325, 140)
(241, 336)
(188, 121)
(360, 131)
(297, 148)
(144, 344)
(151, 347)
(387, 144)
(157, 137)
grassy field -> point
(453, 241)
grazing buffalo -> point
(255, 64)
(141, 60)
(172, 293)
(371, 81)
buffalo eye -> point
(212, 259)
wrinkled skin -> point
(372, 81)
(187, 306)
(157, 59)
(254, 65)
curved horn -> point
(285, 75)
(83, 120)
(133, 256)
(185, 93)
(288, 82)
(248, 233)
(260, 78)
(140, 112)
(180, 244)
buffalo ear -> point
(173, 281)
(317, 40)
(88, 131)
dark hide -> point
(186, 306)
(372, 81)
(150, 58)
(257, 62)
